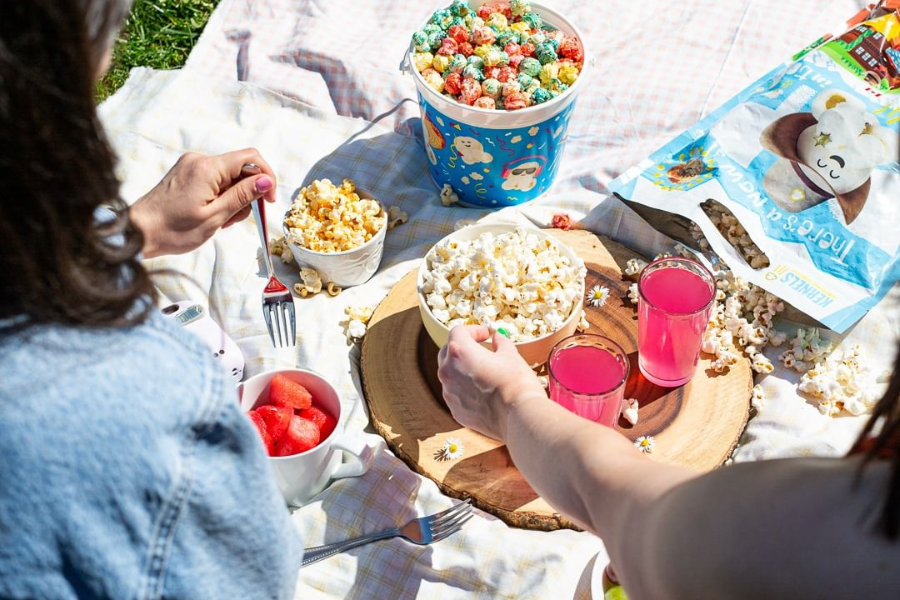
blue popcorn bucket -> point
(497, 158)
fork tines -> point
(280, 316)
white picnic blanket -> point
(315, 87)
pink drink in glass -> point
(587, 376)
(674, 302)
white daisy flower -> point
(597, 296)
(453, 449)
(644, 443)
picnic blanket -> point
(315, 86)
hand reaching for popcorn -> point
(199, 195)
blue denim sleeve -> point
(128, 471)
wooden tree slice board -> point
(697, 425)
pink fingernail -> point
(263, 185)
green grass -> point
(158, 34)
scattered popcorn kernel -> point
(333, 289)
(757, 398)
(396, 217)
(448, 196)
(630, 410)
(280, 248)
(842, 382)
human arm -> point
(199, 195)
(778, 529)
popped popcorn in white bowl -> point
(518, 280)
(338, 230)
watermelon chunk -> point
(260, 423)
(322, 418)
(284, 391)
(302, 435)
(277, 419)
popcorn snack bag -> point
(496, 82)
(795, 182)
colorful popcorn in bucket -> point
(497, 83)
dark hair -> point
(60, 263)
(886, 444)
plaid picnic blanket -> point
(316, 87)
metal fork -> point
(421, 531)
(277, 301)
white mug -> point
(302, 476)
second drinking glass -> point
(675, 297)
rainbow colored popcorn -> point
(501, 56)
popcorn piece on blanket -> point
(280, 248)
(843, 382)
(807, 349)
(311, 283)
(357, 319)
(448, 196)
(757, 398)
(516, 281)
(396, 217)
(561, 221)
(329, 218)
(741, 323)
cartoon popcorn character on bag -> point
(828, 153)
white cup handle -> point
(361, 453)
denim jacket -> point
(127, 470)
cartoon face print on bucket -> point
(494, 167)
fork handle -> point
(317, 553)
(259, 214)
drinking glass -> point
(587, 376)
(675, 297)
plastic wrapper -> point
(795, 182)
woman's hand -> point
(197, 196)
(481, 386)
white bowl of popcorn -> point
(519, 281)
(337, 230)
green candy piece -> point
(458, 63)
(503, 332)
(615, 593)
(441, 18)
(540, 95)
(492, 87)
(545, 53)
(473, 72)
(533, 20)
(530, 66)
(496, 57)
(519, 8)
(504, 37)
(459, 8)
